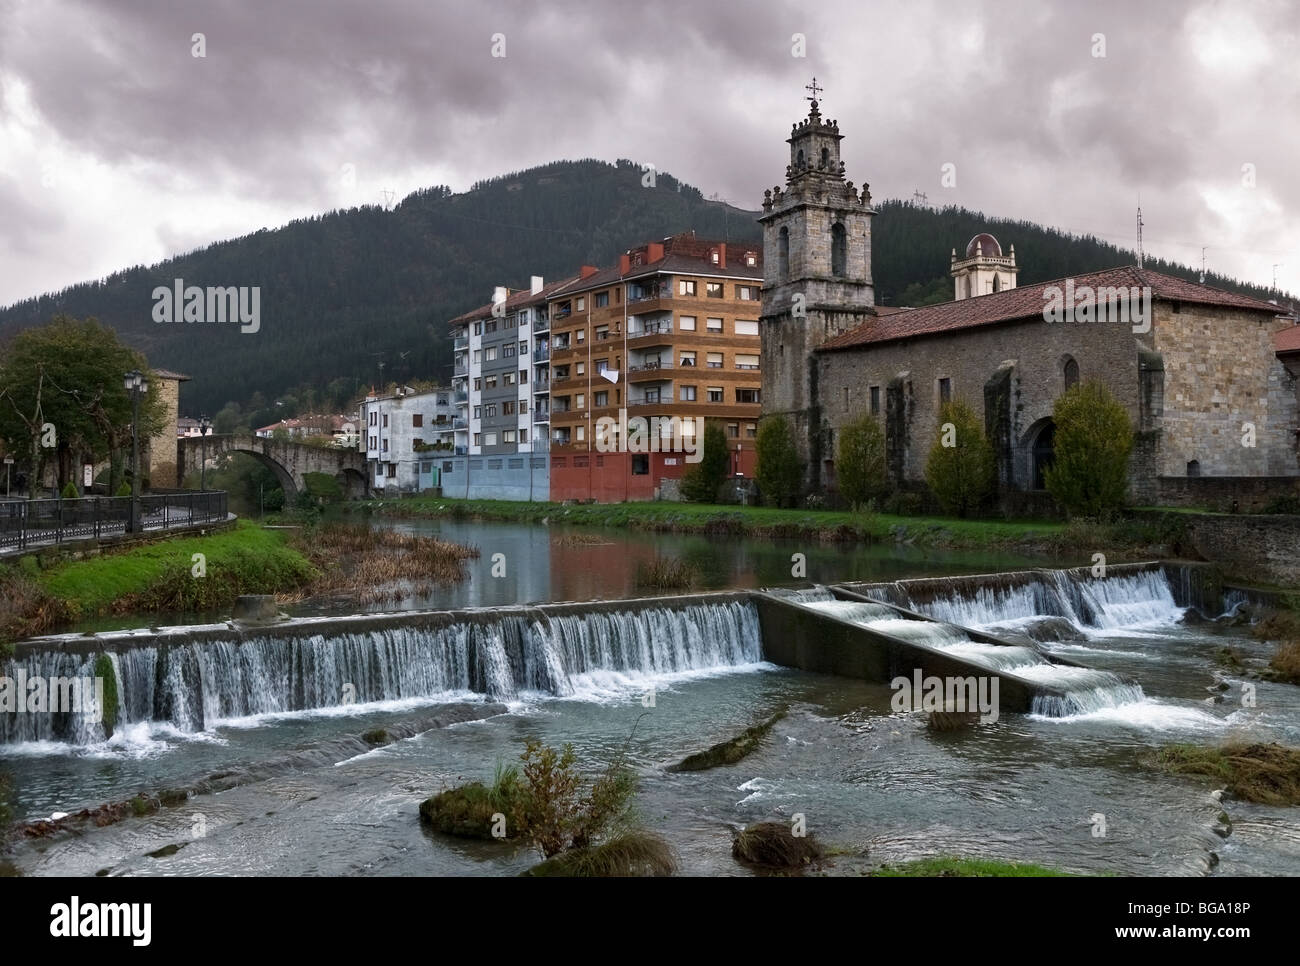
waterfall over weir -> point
(195, 681)
(1128, 597)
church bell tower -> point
(816, 275)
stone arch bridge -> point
(289, 460)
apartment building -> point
(403, 435)
(501, 389)
(671, 331)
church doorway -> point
(1044, 452)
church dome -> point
(987, 244)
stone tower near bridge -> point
(817, 277)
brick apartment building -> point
(670, 331)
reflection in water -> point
(543, 563)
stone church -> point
(1196, 367)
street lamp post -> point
(204, 425)
(137, 386)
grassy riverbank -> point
(202, 574)
(1126, 538)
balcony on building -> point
(460, 423)
(640, 328)
(560, 437)
(640, 292)
(461, 369)
(460, 396)
(542, 353)
(648, 370)
(651, 397)
(542, 323)
(460, 342)
(560, 406)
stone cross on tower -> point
(815, 89)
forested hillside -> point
(345, 292)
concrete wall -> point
(1251, 494)
(1263, 549)
(504, 477)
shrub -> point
(667, 573)
(124, 489)
(774, 845)
(860, 461)
(69, 491)
(1094, 436)
(960, 468)
(634, 853)
(778, 469)
(904, 503)
(702, 481)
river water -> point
(1068, 790)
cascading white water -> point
(1085, 689)
(1095, 603)
(194, 686)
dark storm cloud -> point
(1010, 93)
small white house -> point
(403, 435)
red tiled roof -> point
(1026, 302)
(1288, 340)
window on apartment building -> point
(374, 417)
(688, 357)
(508, 350)
(688, 393)
(478, 357)
(640, 464)
(714, 257)
(508, 436)
(580, 369)
(478, 412)
(945, 390)
(747, 395)
(580, 434)
(384, 446)
(478, 439)
(490, 354)
(747, 327)
(490, 382)
(416, 443)
(602, 398)
(490, 410)
(875, 400)
(478, 383)
(714, 325)
(478, 328)
(580, 336)
(489, 439)
(602, 333)
(507, 409)
(733, 430)
(713, 360)
(715, 394)
(751, 259)
(392, 470)
(508, 379)
(489, 326)
(687, 323)
(417, 420)
(746, 360)
(751, 430)
(582, 303)
(385, 420)
(686, 286)
(523, 436)
(618, 296)
(523, 377)
(602, 300)
(523, 348)
(374, 442)
(580, 401)
(713, 290)
(523, 406)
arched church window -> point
(997, 283)
(839, 249)
(1071, 373)
(798, 159)
(826, 157)
(783, 252)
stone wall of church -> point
(1222, 377)
(969, 359)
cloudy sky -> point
(119, 146)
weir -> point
(194, 678)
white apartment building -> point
(404, 435)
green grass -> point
(951, 865)
(748, 521)
(1268, 774)
(258, 558)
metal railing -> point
(32, 523)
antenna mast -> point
(1203, 264)
(1139, 220)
